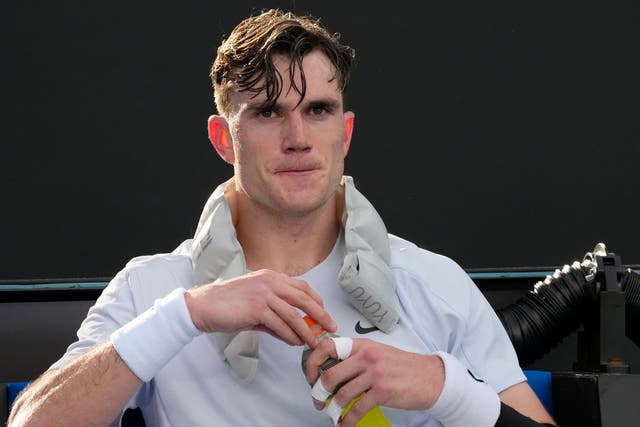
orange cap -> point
(313, 325)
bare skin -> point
(288, 162)
(90, 391)
(264, 301)
(94, 388)
(288, 169)
(398, 379)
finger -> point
(310, 302)
(344, 346)
(325, 350)
(365, 403)
(272, 322)
(352, 389)
(290, 283)
(334, 410)
(342, 350)
(293, 321)
(319, 394)
(307, 289)
(321, 316)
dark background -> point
(502, 134)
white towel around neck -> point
(365, 276)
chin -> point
(300, 207)
(302, 204)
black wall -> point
(503, 134)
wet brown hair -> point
(245, 59)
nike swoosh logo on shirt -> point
(362, 330)
(474, 377)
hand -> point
(265, 301)
(389, 376)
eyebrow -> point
(326, 102)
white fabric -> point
(464, 401)
(333, 410)
(318, 391)
(439, 309)
(365, 276)
(217, 255)
(344, 345)
(150, 340)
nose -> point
(295, 138)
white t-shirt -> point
(440, 309)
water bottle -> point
(375, 417)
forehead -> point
(319, 75)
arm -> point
(99, 380)
(395, 378)
(93, 389)
(524, 400)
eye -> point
(321, 108)
(318, 110)
(266, 114)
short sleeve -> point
(485, 344)
(114, 308)
(451, 313)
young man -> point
(182, 335)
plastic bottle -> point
(375, 417)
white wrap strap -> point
(334, 411)
(318, 392)
(344, 345)
(152, 339)
(464, 400)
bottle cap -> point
(313, 325)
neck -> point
(288, 244)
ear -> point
(349, 116)
(220, 138)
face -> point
(290, 159)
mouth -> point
(298, 175)
(297, 170)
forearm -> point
(509, 417)
(90, 391)
(522, 398)
(467, 400)
(93, 389)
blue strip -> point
(53, 286)
(13, 389)
(541, 383)
(510, 275)
(102, 285)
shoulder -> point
(407, 255)
(425, 277)
(440, 296)
(158, 264)
(176, 262)
(146, 278)
(432, 268)
(132, 291)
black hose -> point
(630, 284)
(538, 321)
